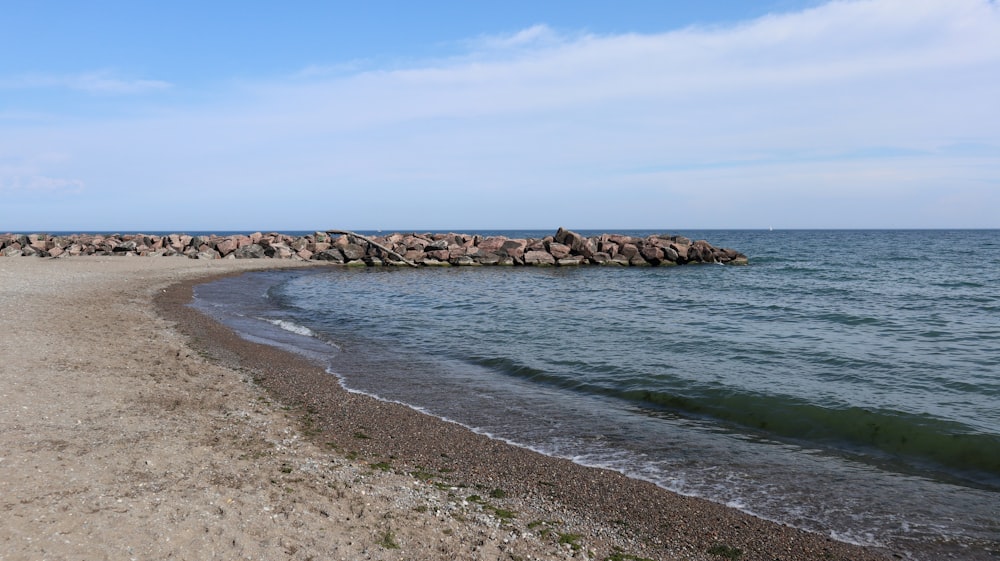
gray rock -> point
(252, 251)
(574, 261)
(463, 261)
(353, 251)
(125, 247)
(333, 254)
(619, 260)
(488, 258)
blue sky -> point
(142, 116)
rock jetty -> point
(565, 248)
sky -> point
(244, 116)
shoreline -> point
(615, 509)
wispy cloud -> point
(106, 83)
(99, 83)
(539, 35)
(849, 105)
(865, 49)
(38, 184)
(20, 177)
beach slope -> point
(133, 427)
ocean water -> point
(845, 382)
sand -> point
(132, 427)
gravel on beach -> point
(135, 427)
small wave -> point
(849, 319)
(959, 284)
(514, 368)
(914, 441)
(917, 441)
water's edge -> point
(871, 502)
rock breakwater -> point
(564, 248)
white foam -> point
(292, 327)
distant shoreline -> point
(563, 248)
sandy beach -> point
(133, 427)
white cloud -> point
(871, 49)
(30, 176)
(535, 36)
(847, 105)
(20, 184)
(105, 83)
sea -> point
(845, 382)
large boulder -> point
(414, 241)
(514, 248)
(209, 254)
(487, 258)
(125, 247)
(578, 244)
(652, 254)
(600, 258)
(414, 254)
(681, 250)
(492, 244)
(538, 258)
(333, 255)
(225, 246)
(559, 251)
(638, 261)
(463, 261)
(701, 251)
(252, 251)
(279, 251)
(352, 251)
